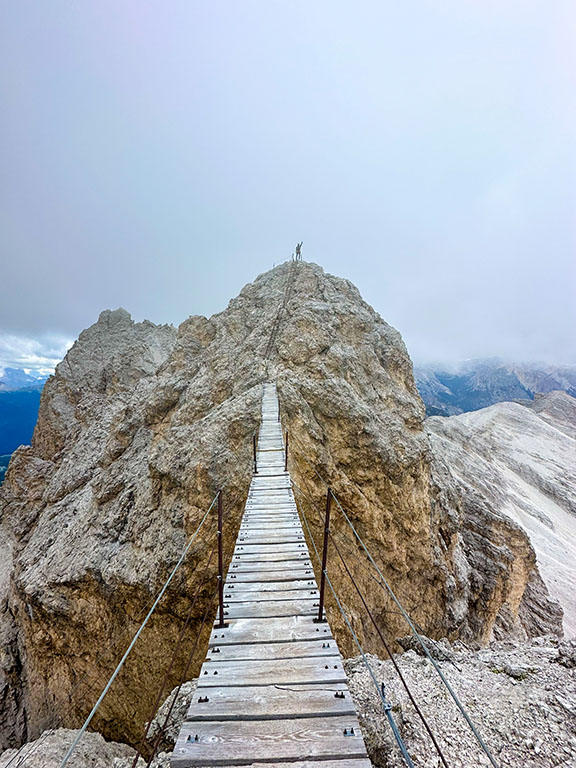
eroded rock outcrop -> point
(518, 460)
(142, 424)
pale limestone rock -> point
(139, 428)
(520, 460)
(520, 696)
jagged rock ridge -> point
(140, 426)
(520, 458)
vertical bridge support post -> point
(321, 617)
(221, 622)
(286, 453)
(254, 453)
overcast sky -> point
(158, 155)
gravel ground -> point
(521, 697)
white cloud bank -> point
(39, 355)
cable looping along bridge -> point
(273, 689)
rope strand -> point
(415, 633)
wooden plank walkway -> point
(272, 690)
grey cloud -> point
(158, 157)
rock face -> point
(139, 428)
(520, 459)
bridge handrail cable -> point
(379, 688)
(136, 636)
(384, 583)
(379, 631)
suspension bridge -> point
(273, 688)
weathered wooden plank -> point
(264, 501)
(271, 557)
(270, 703)
(279, 494)
(270, 586)
(254, 566)
(271, 538)
(260, 498)
(282, 629)
(268, 539)
(274, 482)
(266, 522)
(270, 505)
(270, 513)
(296, 547)
(272, 490)
(272, 672)
(240, 743)
(263, 596)
(271, 516)
(265, 526)
(270, 608)
(286, 650)
(262, 576)
(291, 534)
(276, 491)
(269, 530)
(346, 763)
(271, 519)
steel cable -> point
(172, 659)
(135, 638)
(387, 648)
(62, 712)
(415, 633)
(379, 689)
(182, 680)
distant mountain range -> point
(19, 401)
(477, 384)
(14, 379)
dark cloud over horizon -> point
(158, 156)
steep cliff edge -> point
(520, 459)
(141, 425)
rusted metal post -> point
(286, 453)
(221, 623)
(254, 451)
(324, 556)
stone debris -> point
(520, 460)
(49, 749)
(521, 697)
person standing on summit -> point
(299, 251)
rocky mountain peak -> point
(142, 424)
